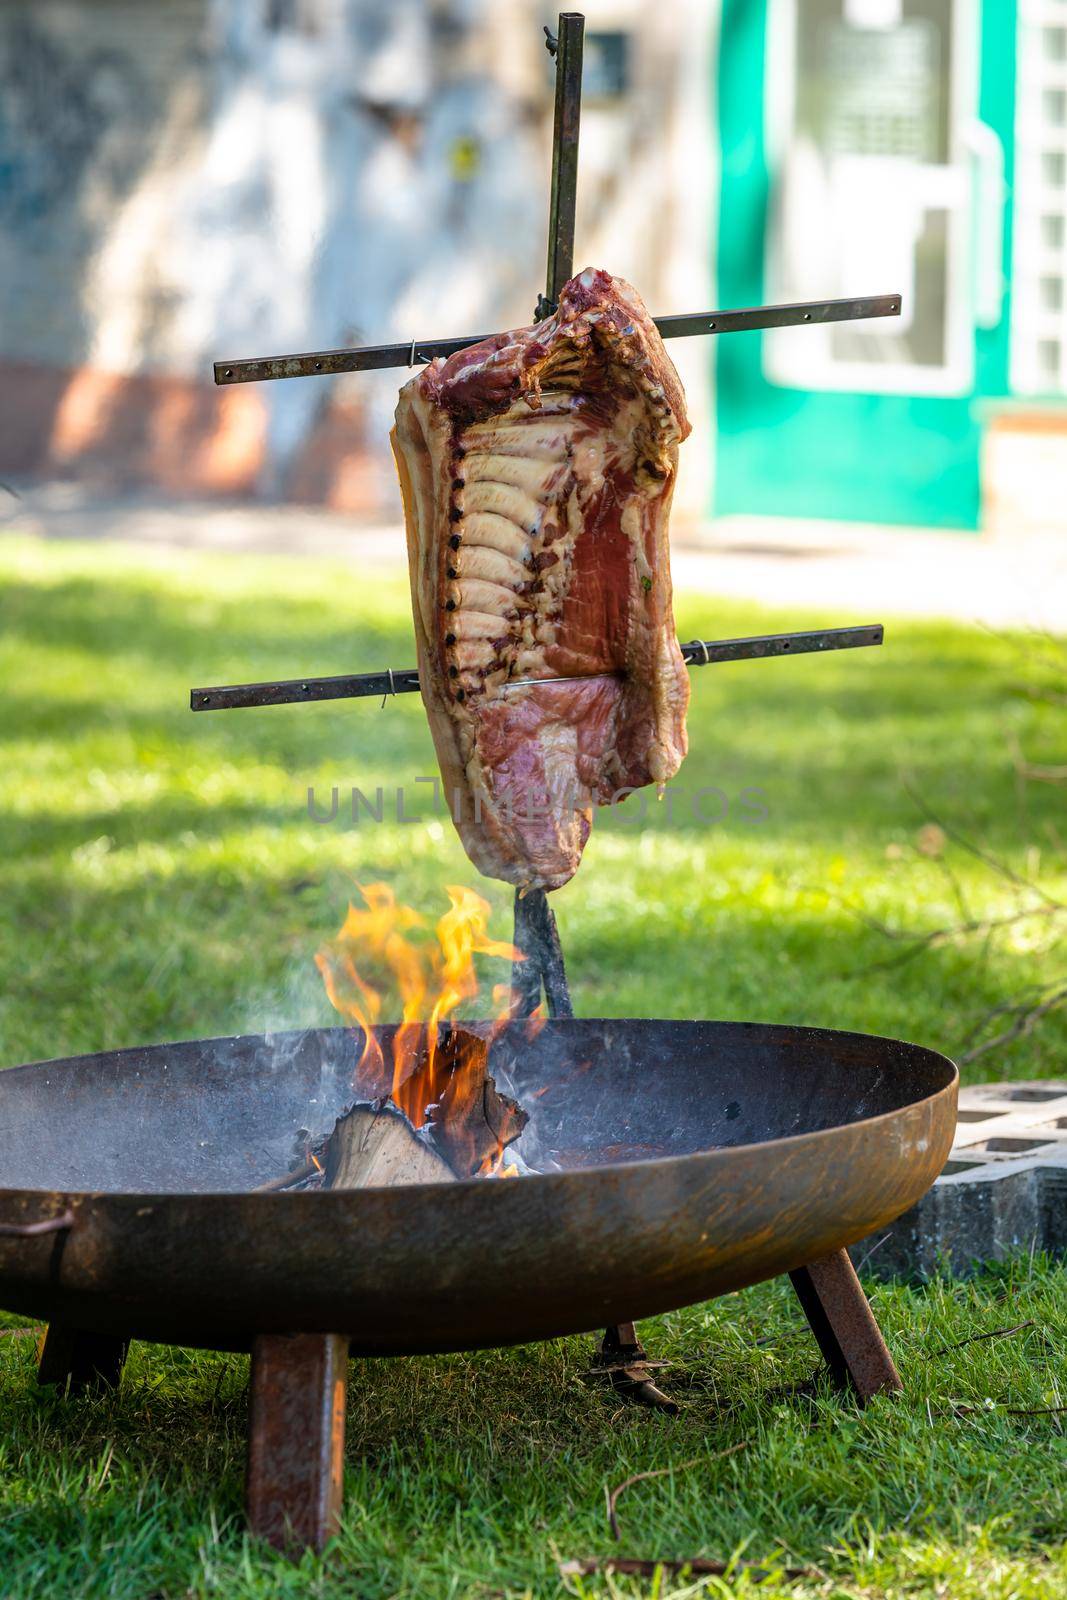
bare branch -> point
(699, 1566)
(1040, 774)
(995, 1333)
(1034, 995)
(1024, 1023)
(960, 930)
(662, 1472)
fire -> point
(385, 944)
(463, 933)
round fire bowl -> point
(691, 1158)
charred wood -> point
(472, 1123)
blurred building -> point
(198, 179)
(882, 145)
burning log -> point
(468, 1124)
(472, 1123)
(375, 1146)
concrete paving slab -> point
(1003, 1189)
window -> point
(605, 65)
(1039, 265)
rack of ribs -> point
(537, 469)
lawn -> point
(162, 879)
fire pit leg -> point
(296, 1438)
(621, 1358)
(81, 1362)
(844, 1326)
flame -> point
(463, 933)
(380, 931)
(433, 977)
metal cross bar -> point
(566, 46)
(376, 357)
(405, 680)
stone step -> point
(1003, 1189)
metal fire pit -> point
(693, 1158)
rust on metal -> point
(296, 1438)
(762, 1147)
(844, 1326)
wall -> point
(201, 178)
(195, 179)
(96, 103)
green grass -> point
(161, 879)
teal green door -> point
(866, 149)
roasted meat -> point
(537, 469)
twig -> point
(820, 1572)
(630, 1566)
(935, 936)
(1035, 771)
(1054, 651)
(287, 1179)
(960, 1408)
(1043, 774)
(995, 1333)
(948, 872)
(640, 1477)
(1024, 1022)
(877, 1245)
(660, 1472)
(1033, 995)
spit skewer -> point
(622, 1358)
(416, 352)
(405, 680)
(533, 916)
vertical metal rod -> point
(526, 975)
(534, 917)
(568, 113)
(536, 934)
